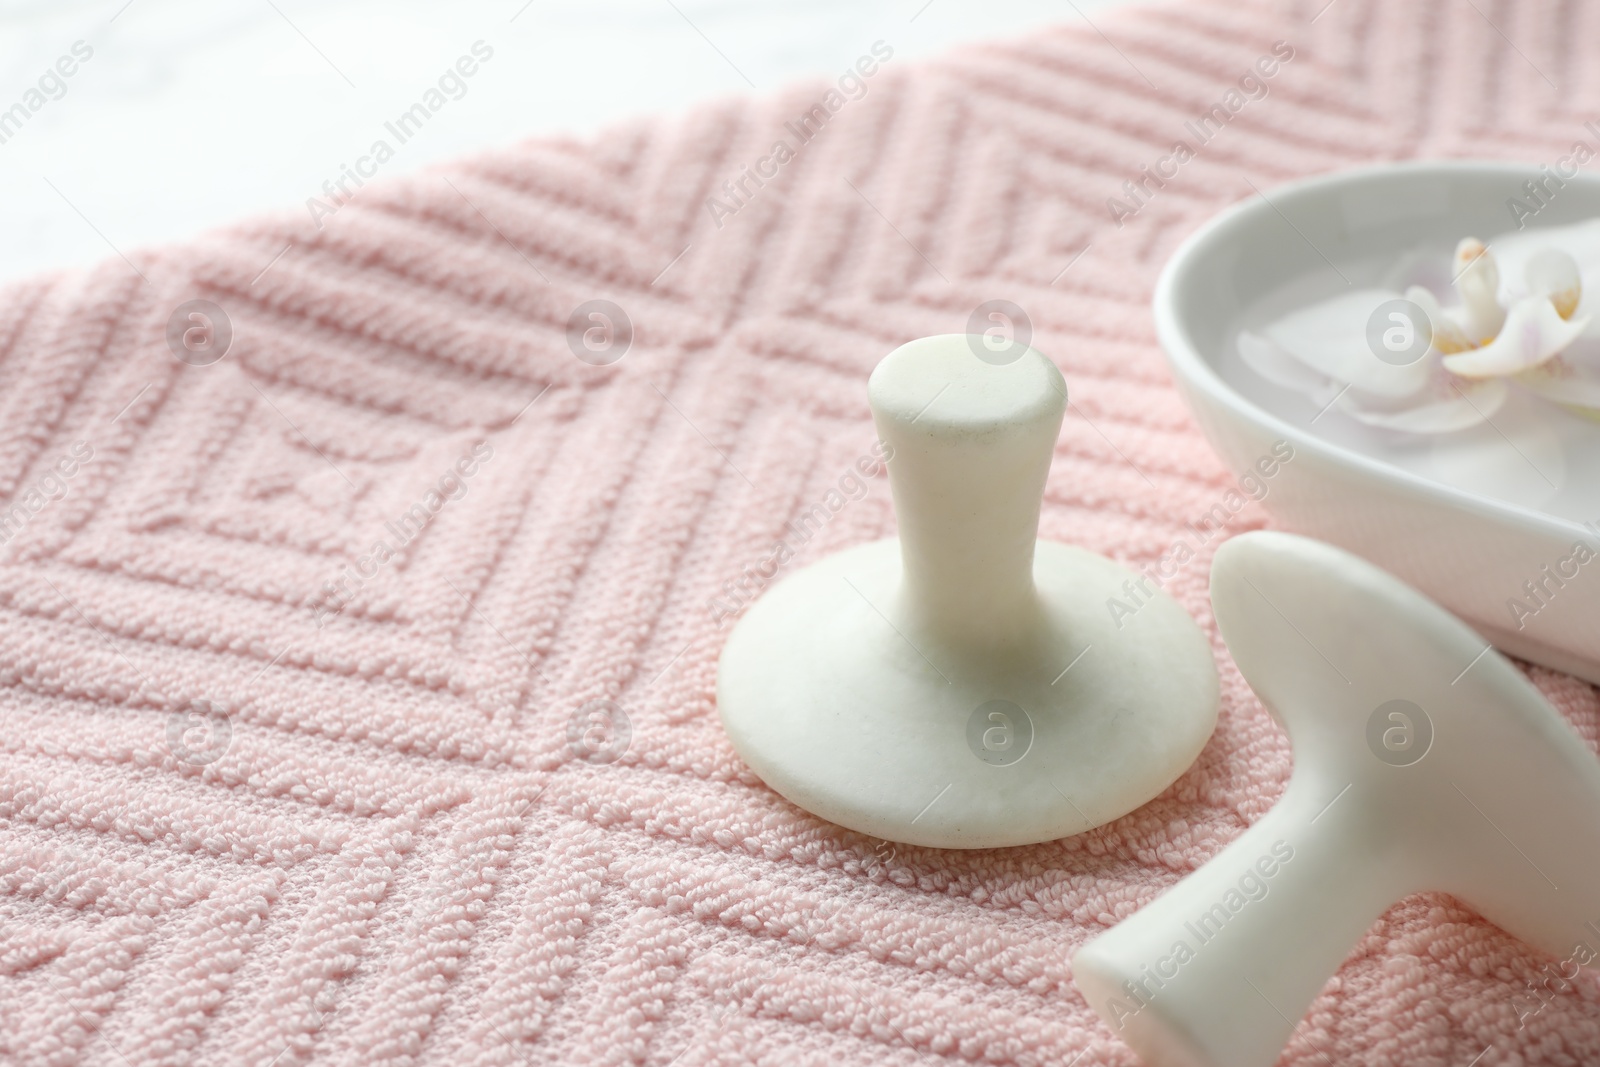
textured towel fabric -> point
(269, 795)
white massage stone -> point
(1422, 761)
(966, 686)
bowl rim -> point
(1194, 369)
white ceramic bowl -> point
(1472, 551)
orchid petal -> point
(1554, 274)
(1331, 338)
(1514, 251)
(1478, 284)
(1534, 331)
(1565, 381)
(1268, 359)
(1457, 406)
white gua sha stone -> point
(1423, 761)
(964, 686)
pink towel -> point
(357, 686)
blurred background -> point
(190, 114)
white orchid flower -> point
(1515, 318)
